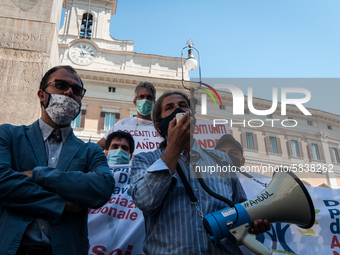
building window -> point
(250, 142)
(315, 151)
(246, 111)
(79, 121)
(112, 89)
(86, 26)
(273, 144)
(310, 123)
(329, 127)
(335, 154)
(76, 122)
(222, 107)
(269, 116)
(295, 148)
(109, 120)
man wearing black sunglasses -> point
(48, 176)
(60, 95)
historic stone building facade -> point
(111, 69)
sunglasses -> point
(64, 86)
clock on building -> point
(82, 53)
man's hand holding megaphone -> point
(260, 226)
(229, 145)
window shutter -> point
(300, 150)
(309, 151)
(256, 145)
(289, 148)
(243, 140)
(321, 155)
(278, 144)
(267, 144)
(101, 120)
(82, 119)
(331, 153)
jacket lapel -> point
(34, 135)
(69, 150)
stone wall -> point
(28, 48)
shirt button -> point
(52, 158)
(199, 230)
(42, 227)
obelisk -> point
(28, 48)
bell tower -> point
(85, 39)
(89, 19)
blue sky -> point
(243, 38)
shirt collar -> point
(46, 130)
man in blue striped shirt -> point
(173, 224)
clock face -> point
(82, 53)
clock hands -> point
(83, 53)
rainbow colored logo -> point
(209, 93)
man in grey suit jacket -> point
(49, 177)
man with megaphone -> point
(174, 204)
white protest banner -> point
(207, 135)
(117, 228)
(322, 238)
(146, 137)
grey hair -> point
(146, 85)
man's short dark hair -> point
(146, 85)
(120, 134)
(54, 69)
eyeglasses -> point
(64, 86)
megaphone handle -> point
(249, 240)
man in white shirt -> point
(145, 95)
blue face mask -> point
(118, 157)
(144, 106)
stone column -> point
(28, 48)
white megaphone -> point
(285, 199)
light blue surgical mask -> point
(118, 157)
(144, 106)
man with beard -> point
(48, 176)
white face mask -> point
(62, 109)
